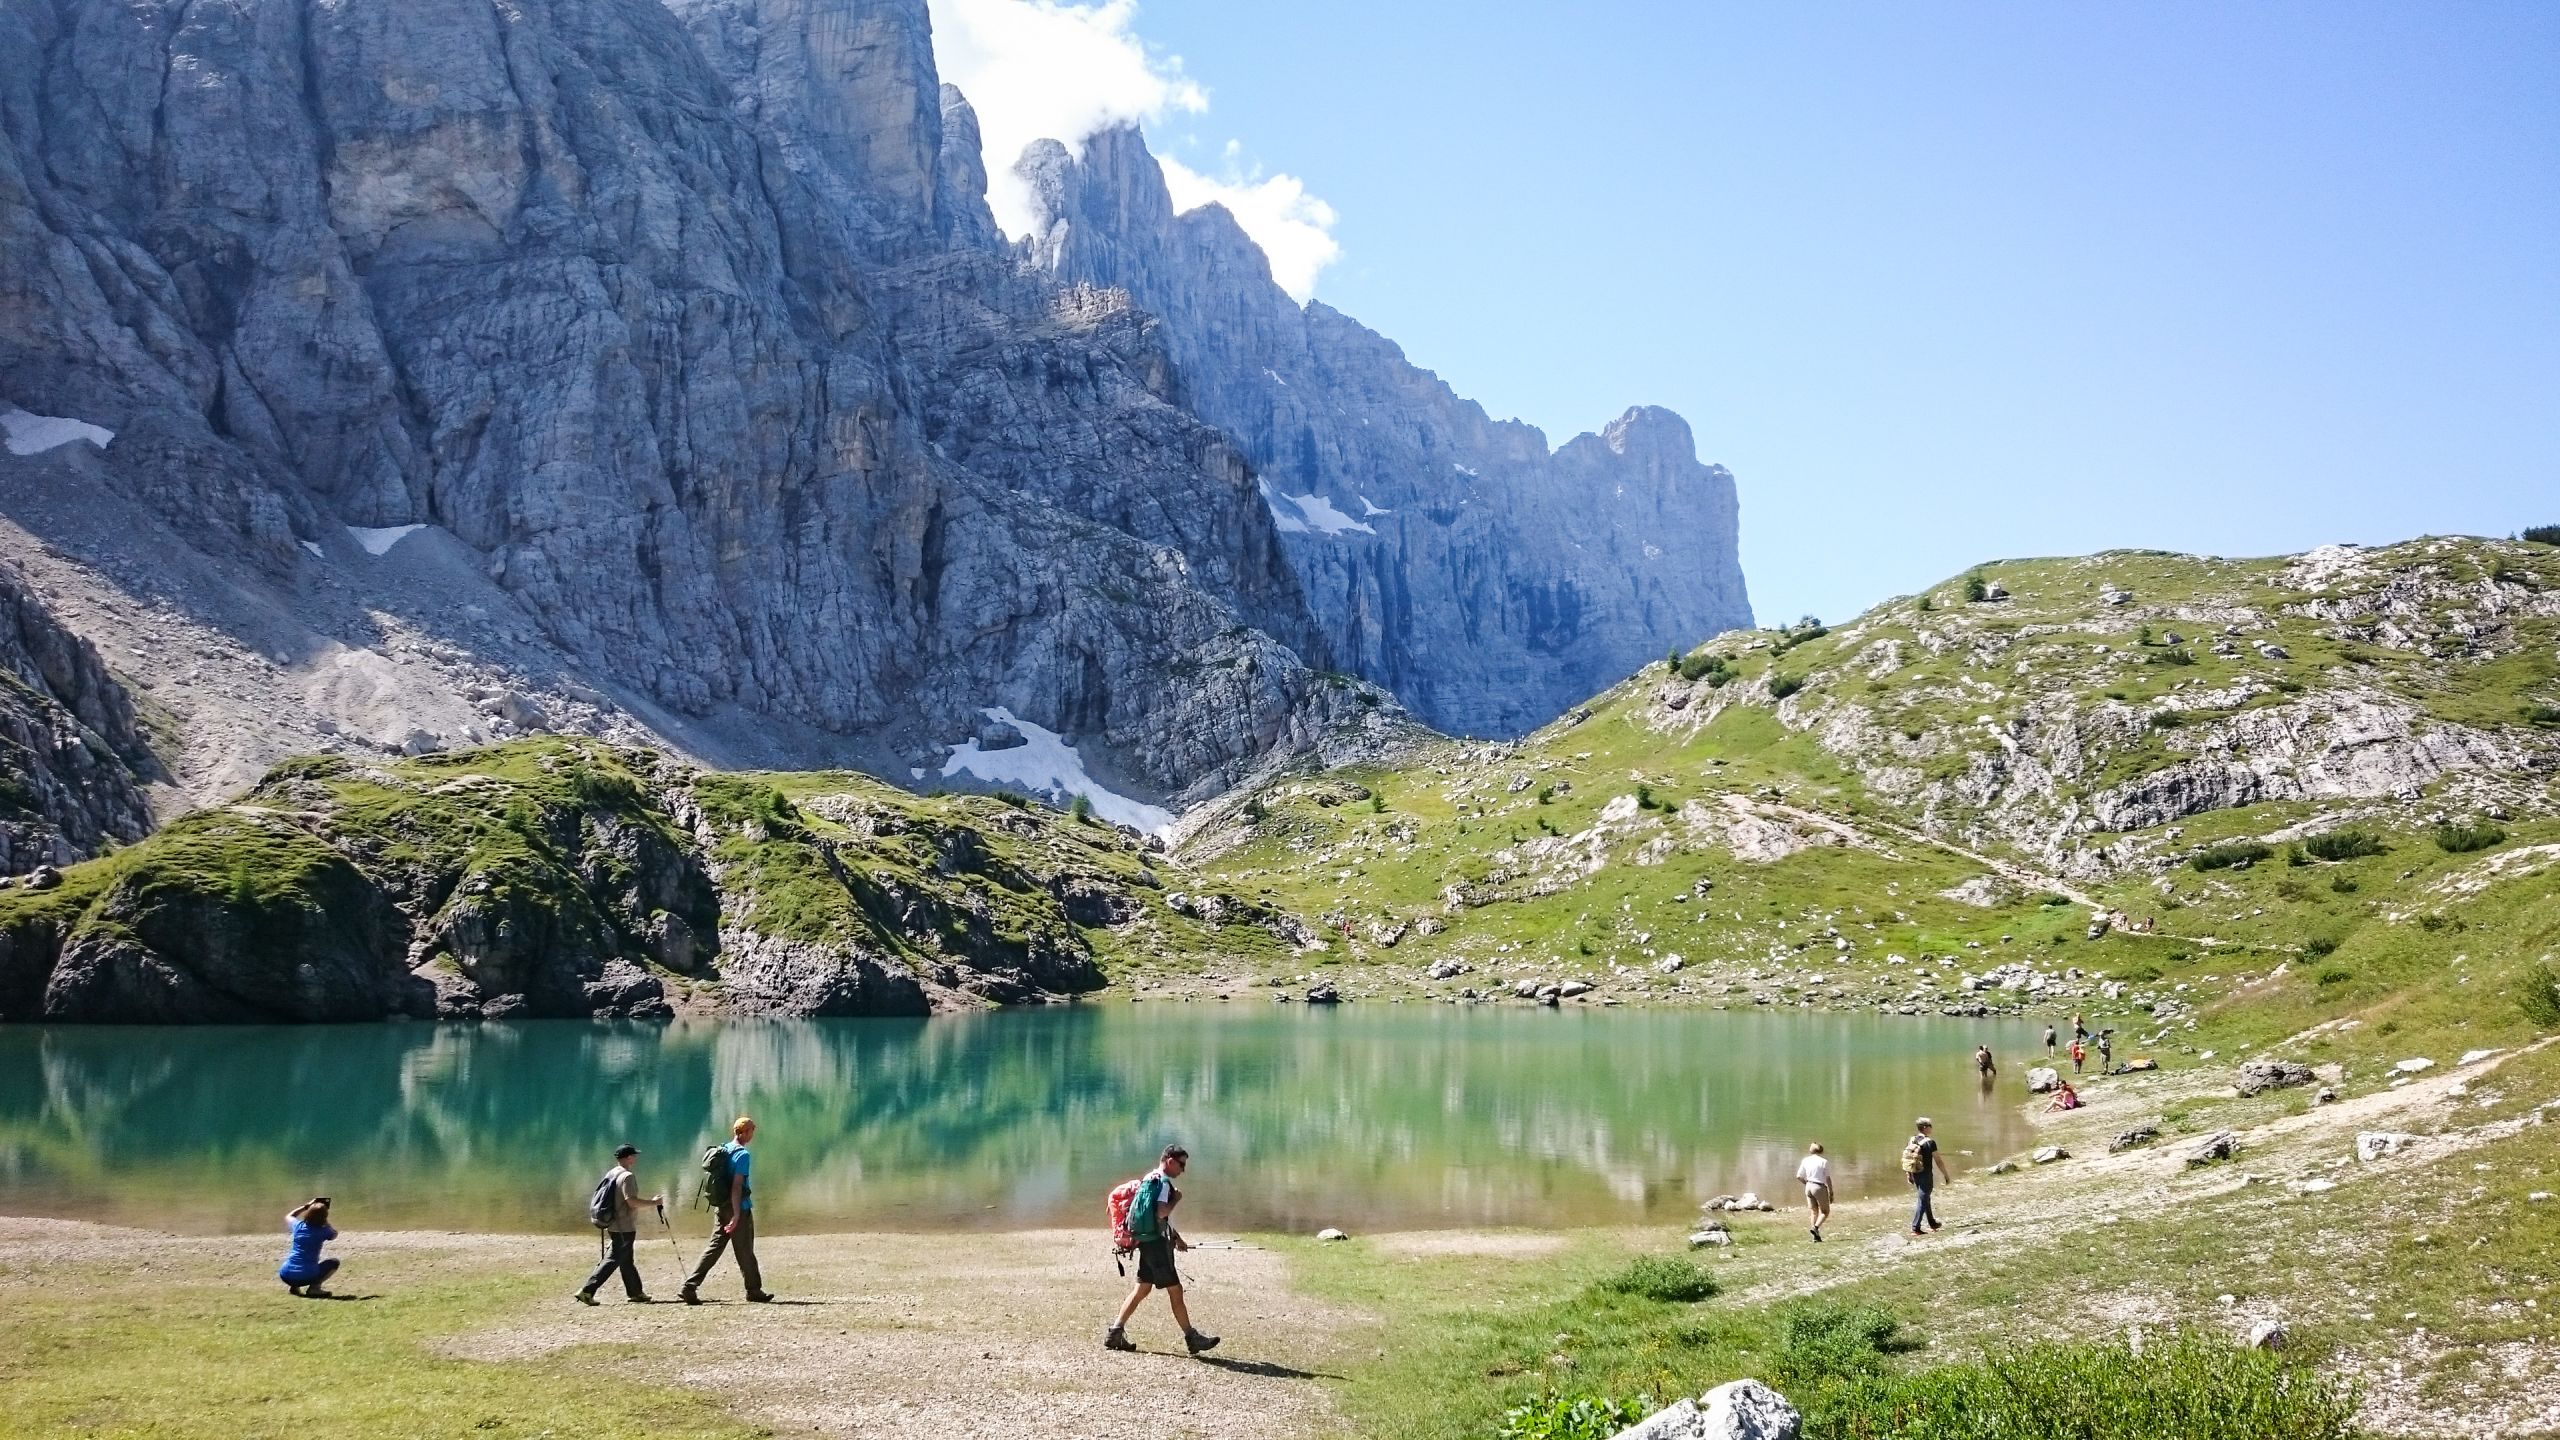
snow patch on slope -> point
(1047, 764)
(31, 434)
(1311, 515)
(379, 541)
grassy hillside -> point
(2326, 782)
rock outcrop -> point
(1455, 559)
(73, 760)
(571, 878)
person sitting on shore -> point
(303, 1271)
(2064, 1097)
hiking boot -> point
(586, 1297)
(1195, 1342)
(759, 1297)
(1114, 1339)
(640, 1300)
(1935, 1227)
(1919, 1234)
(1816, 1233)
(687, 1296)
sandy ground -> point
(875, 1335)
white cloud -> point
(1054, 69)
(1293, 227)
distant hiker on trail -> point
(2078, 1054)
(1919, 1157)
(1142, 1220)
(726, 1185)
(2064, 1097)
(1984, 1065)
(1815, 1171)
(2051, 1039)
(614, 1208)
(303, 1271)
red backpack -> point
(1123, 1240)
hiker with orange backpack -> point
(1142, 1220)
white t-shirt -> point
(1815, 1170)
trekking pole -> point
(674, 1251)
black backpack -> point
(606, 1199)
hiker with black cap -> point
(1149, 1224)
(614, 1208)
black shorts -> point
(1155, 1265)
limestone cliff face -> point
(72, 756)
(733, 424)
(1454, 558)
(669, 316)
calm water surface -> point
(1370, 1117)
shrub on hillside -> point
(1975, 590)
(1656, 1277)
(2336, 845)
(2461, 837)
(2228, 854)
(2538, 995)
(2542, 714)
(2543, 534)
(1782, 686)
(1714, 669)
(2171, 656)
(1080, 809)
(2319, 947)
(2167, 719)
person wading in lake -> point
(1815, 1171)
(1984, 1065)
(1150, 1225)
(2052, 1040)
(733, 1202)
(1920, 1158)
(615, 1205)
(303, 1271)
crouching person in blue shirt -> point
(303, 1271)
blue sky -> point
(1947, 283)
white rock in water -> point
(2042, 1079)
(2414, 1066)
(1329, 1233)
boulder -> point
(2268, 1335)
(2043, 1079)
(1571, 988)
(1323, 993)
(2005, 1167)
(2259, 1076)
(2372, 1145)
(2326, 1096)
(1714, 1235)
(2139, 1135)
(2414, 1066)
(2218, 1146)
(1329, 1233)
(1747, 1410)
(1445, 970)
(2047, 1154)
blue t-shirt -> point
(304, 1256)
(740, 1163)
